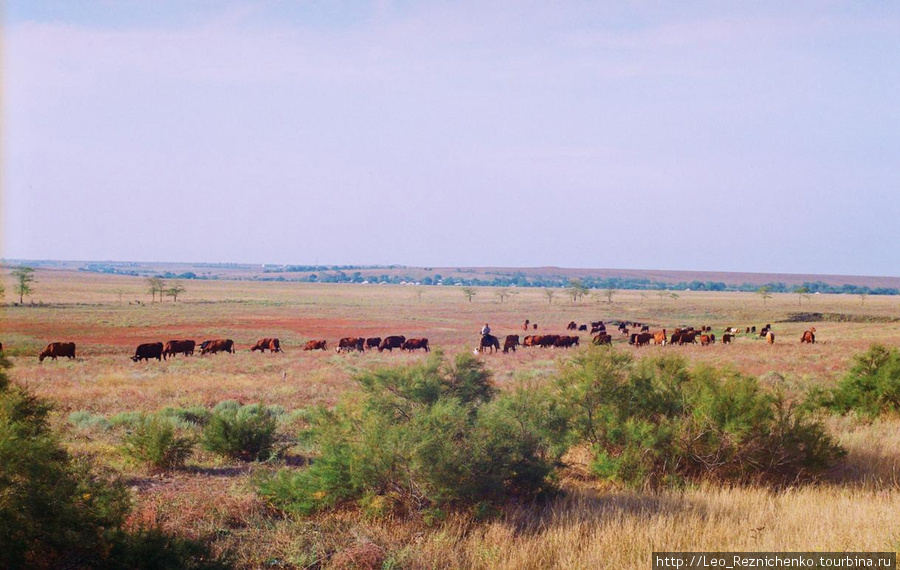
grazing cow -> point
(566, 341)
(534, 326)
(660, 338)
(391, 342)
(582, 327)
(645, 328)
(265, 344)
(55, 349)
(489, 342)
(173, 347)
(351, 343)
(316, 345)
(571, 326)
(373, 342)
(602, 338)
(753, 329)
(682, 337)
(624, 331)
(597, 324)
(417, 343)
(726, 338)
(770, 337)
(601, 328)
(641, 339)
(147, 351)
(707, 339)
(525, 326)
(529, 340)
(809, 336)
(218, 345)
(548, 340)
(512, 341)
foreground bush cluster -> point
(437, 434)
(56, 512)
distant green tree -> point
(802, 293)
(504, 294)
(155, 285)
(174, 290)
(469, 292)
(764, 293)
(609, 292)
(576, 290)
(549, 293)
(24, 277)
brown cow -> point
(528, 340)
(351, 343)
(55, 349)
(373, 342)
(602, 338)
(641, 339)
(147, 351)
(217, 345)
(173, 347)
(566, 341)
(316, 345)
(512, 341)
(571, 326)
(770, 337)
(548, 340)
(417, 343)
(660, 338)
(265, 344)
(707, 339)
(726, 338)
(392, 342)
(809, 336)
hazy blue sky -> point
(746, 136)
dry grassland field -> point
(855, 507)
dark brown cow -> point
(265, 344)
(567, 341)
(602, 338)
(726, 338)
(548, 340)
(147, 351)
(316, 345)
(582, 328)
(512, 341)
(373, 342)
(642, 339)
(809, 336)
(350, 343)
(417, 343)
(55, 349)
(173, 347)
(217, 345)
(571, 326)
(392, 342)
(534, 326)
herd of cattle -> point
(489, 343)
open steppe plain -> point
(855, 507)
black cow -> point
(147, 351)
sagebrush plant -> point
(871, 387)
(655, 422)
(60, 512)
(154, 440)
(241, 432)
(420, 437)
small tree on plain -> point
(862, 298)
(576, 290)
(549, 293)
(802, 293)
(504, 294)
(155, 285)
(24, 277)
(764, 293)
(469, 293)
(419, 292)
(174, 290)
(609, 292)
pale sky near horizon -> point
(734, 136)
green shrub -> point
(58, 512)
(126, 419)
(423, 436)
(155, 441)
(655, 422)
(245, 432)
(871, 387)
(86, 420)
(187, 417)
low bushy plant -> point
(83, 419)
(187, 417)
(155, 441)
(871, 387)
(243, 432)
(656, 422)
(421, 437)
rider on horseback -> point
(485, 330)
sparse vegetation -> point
(468, 293)
(154, 440)
(241, 432)
(24, 277)
(871, 387)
